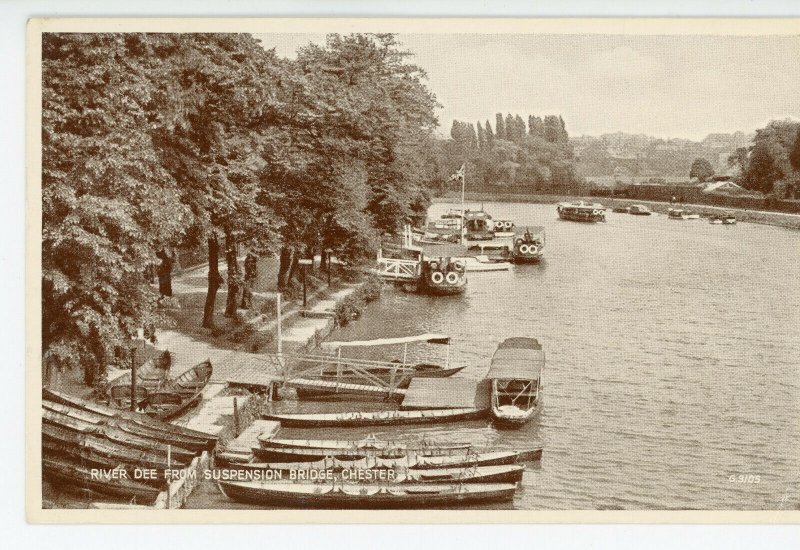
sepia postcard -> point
(413, 270)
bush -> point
(351, 307)
(241, 334)
(261, 341)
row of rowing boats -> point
(89, 447)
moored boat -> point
(113, 482)
(581, 212)
(375, 418)
(429, 448)
(114, 435)
(722, 219)
(55, 396)
(187, 442)
(516, 374)
(101, 447)
(336, 495)
(639, 210)
(327, 459)
(443, 275)
(528, 244)
(620, 209)
(676, 214)
(170, 398)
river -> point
(673, 361)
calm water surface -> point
(673, 361)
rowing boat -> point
(369, 442)
(190, 443)
(101, 447)
(55, 396)
(88, 458)
(378, 418)
(334, 495)
(393, 458)
(72, 476)
(170, 398)
(115, 435)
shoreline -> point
(763, 217)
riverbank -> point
(779, 219)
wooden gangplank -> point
(447, 393)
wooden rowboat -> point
(393, 458)
(115, 435)
(88, 458)
(314, 495)
(66, 475)
(429, 447)
(191, 443)
(170, 429)
(504, 473)
(102, 447)
(379, 418)
(170, 398)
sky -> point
(664, 86)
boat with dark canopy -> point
(516, 376)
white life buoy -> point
(524, 248)
(459, 265)
(452, 278)
(506, 225)
(437, 277)
(533, 249)
(595, 212)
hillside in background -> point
(639, 156)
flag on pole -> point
(458, 176)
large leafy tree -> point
(215, 137)
(107, 203)
(701, 169)
(362, 146)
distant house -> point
(725, 187)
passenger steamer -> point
(581, 212)
(528, 245)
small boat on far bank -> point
(722, 219)
(516, 374)
(581, 212)
(639, 210)
(676, 214)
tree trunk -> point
(165, 272)
(286, 268)
(250, 275)
(234, 277)
(214, 281)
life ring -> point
(452, 278)
(524, 248)
(596, 212)
(437, 277)
(434, 266)
(533, 249)
(509, 224)
(459, 265)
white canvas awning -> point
(517, 358)
(429, 338)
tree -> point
(489, 135)
(108, 205)
(762, 171)
(500, 127)
(701, 169)
(794, 157)
(481, 136)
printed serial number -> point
(749, 478)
